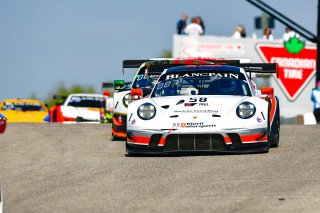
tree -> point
(63, 91)
(166, 53)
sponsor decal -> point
(203, 104)
(196, 48)
(192, 125)
(133, 122)
(296, 64)
(259, 120)
(197, 111)
(146, 76)
(202, 74)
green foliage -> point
(294, 45)
(62, 90)
(166, 54)
(33, 96)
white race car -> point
(79, 108)
(146, 76)
(212, 108)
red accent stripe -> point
(68, 119)
(119, 134)
(162, 141)
(139, 139)
(255, 137)
(227, 139)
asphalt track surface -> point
(78, 168)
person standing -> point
(289, 33)
(239, 32)
(201, 23)
(194, 27)
(182, 23)
(315, 97)
(267, 34)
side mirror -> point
(136, 94)
(107, 93)
(267, 91)
(118, 84)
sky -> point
(44, 43)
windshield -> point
(146, 79)
(84, 101)
(202, 83)
(22, 106)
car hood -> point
(218, 106)
(24, 116)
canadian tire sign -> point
(295, 70)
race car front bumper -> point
(244, 141)
(119, 125)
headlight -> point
(126, 100)
(146, 111)
(246, 110)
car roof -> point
(86, 94)
(22, 101)
(227, 68)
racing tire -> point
(275, 128)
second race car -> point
(145, 78)
(78, 108)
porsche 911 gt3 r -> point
(146, 76)
(78, 108)
(205, 108)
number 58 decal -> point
(193, 100)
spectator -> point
(289, 33)
(315, 97)
(267, 34)
(194, 27)
(201, 23)
(182, 23)
(239, 32)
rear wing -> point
(159, 65)
(175, 62)
(262, 68)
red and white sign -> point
(294, 70)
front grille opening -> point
(172, 143)
(190, 142)
(154, 140)
(217, 142)
(202, 142)
(235, 139)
